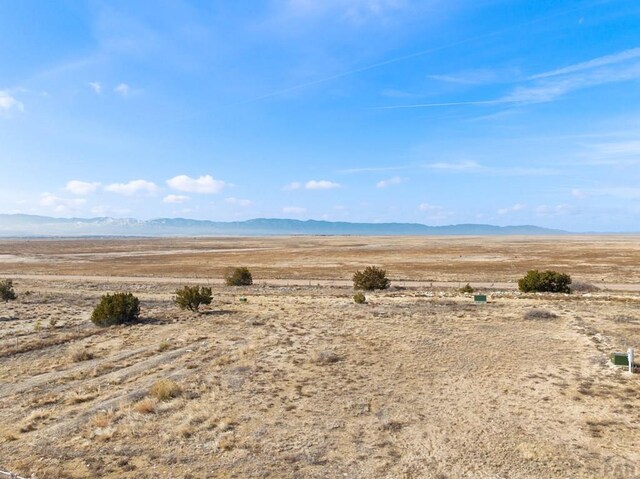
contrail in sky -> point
(416, 54)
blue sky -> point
(437, 112)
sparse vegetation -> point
(371, 278)
(467, 289)
(165, 389)
(192, 297)
(583, 287)
(238, 277)
(117, 308)
(545, 282)
(539, 314)
(325, 357)
(359, 297)
(145, 406)
(6, 290)
(81, 354)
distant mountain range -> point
(34, 226)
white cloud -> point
(396, 180)
(355, 11)
(434, 212)
(61, 205)
(460, 165)
(123, 89)
(551, 211)
(8, 103)
(591, 64)
(238, 202)
(578, 193)
(321, 185)
(133, 187)
(175, 199)
(294, 210)
(512, 209)
(81, 187)
(202, 184)
(96, 87)
(295, 185)
(102, 210)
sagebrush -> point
(371, 278)
(6, 290)
(545, 282)
(238, 277)
(117, 308)
(192, 297)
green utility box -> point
(620, 359)
(479, 298)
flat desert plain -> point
(301, 382)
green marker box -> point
(620, 359)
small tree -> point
(6, 291)
(191, 297)
(467, 289)
(371, 278)
(117, 308)
(545, 282)
(238, 277)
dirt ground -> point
(301, 382)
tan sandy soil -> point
(597, 259)
(300, 382)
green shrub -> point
(545, 282)
(238, 277)
(6, 290)
(467, 289)
(371, 278)
(359, 298)
(117, 308)
(191, 297)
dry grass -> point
(165, 389)
(81, 354)
(301, 382)
(537, 313)
(145, 406)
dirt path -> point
(630, 287)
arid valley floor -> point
(301, 382)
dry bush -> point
(370, 278)
(359, 298)
(467, 289)
(145, 406)
(163, 346)
(165, 389)
(539, 314)
(238, 277)
(81, 354)
(117, 308)
(583, 287)
(325, 357)
(191, 297)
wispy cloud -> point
(457, 166)
(621, 57)
(294, 210)
(9, 103)
(434, 212)
(551, 85)
(294, 185)
(396, 180)
(175, 199)
(202, 184)
(81, 187)
(355, 11)
(553, 211)
(61, 205)
(321, 185)
(511, 209)
(238, 202)
(123, 89)
(96, 87)
(479, 76)
(132, 187)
